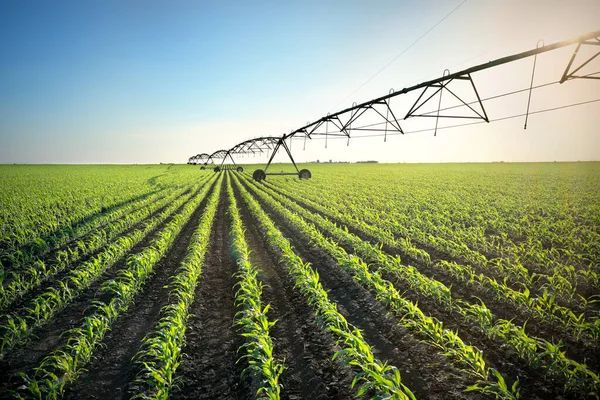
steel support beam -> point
(281, 143)
(440, 87)
(567, 75)
(380, 107)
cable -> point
(497, 119)
(467, 123)
(494, 97)
(463, 105)
(400, 54)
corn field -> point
(398, 281)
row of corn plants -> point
(16, 328)
(30, 254)
(416, 228)
(39, 271)
(252, 318)
(374, 376)
(537, 352)
(44, 207)
(159, 355)
(543, 307)
(66, 364)
(536, 225)
(430, 329)
(446, 237)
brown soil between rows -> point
(501, 309)
(533, 382)
(423, 370)
(53, 280)
(305, 348)
(60, 231)
(583, 288)
(48, 337)
(112, 369)
(208, 368)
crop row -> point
(159, 355)
(537, 352)
(33, 253)
(373, 376)
(532, 223)
(40, 205)
(252, 318)
(16, 328)
(39, 271)
(544, 306)
(66, 364)
(437, 228)
(429, 328)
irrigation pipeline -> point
(583, 39)
(465, 124)
(340, 124)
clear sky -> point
(159, 81)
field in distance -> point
(429, 281)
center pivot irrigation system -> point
(384, 121)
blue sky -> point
(158, 81)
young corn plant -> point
(159, 355)
(252, 319)
(66, 363)
(373, 375)
(42, 308)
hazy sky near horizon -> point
(159, 81)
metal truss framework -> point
(203, 158)
(223, 155)
(255, 146)
(568, 74)
(341, 123)
(268, 144)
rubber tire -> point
(259, 175)
(240, 169)
(203, 167)
(304, 174)
(217, 169)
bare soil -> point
(307, 350)
(112, 368)
(426, 373)
(208, 368)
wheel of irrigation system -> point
(259, 175)
(240, 169)
(203, 167)
(217, 169)
(304, 174)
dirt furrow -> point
(111, 369)
(426, 373)
(208, 368)
(310, 373)
(48, 338)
